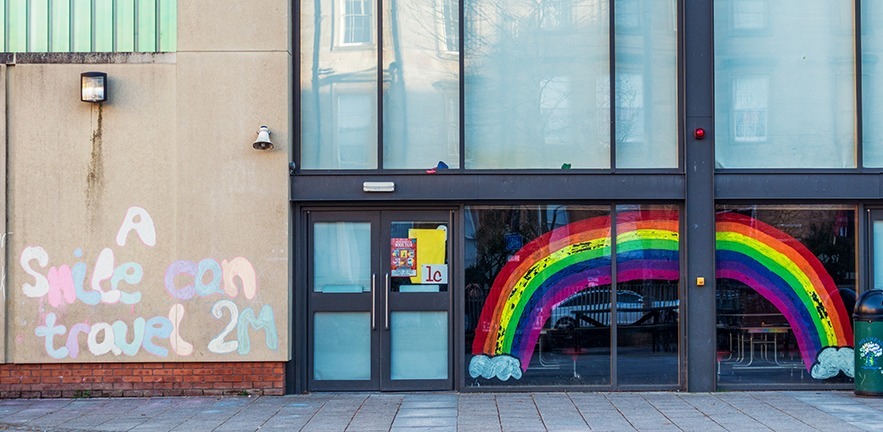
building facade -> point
(133, 273)
(481, 195)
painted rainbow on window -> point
(576, 257)
(786, 273)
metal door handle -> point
(386, 298)
(373, 301)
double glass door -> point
(380, 300)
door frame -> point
(381, 216)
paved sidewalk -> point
(412, 412)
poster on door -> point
(432, 251)
(403, 259)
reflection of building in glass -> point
(355, 22)
(536, 83)
(750, 99)
(419, 84)
(785, 89)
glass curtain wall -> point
(537, 84)
(784, 84)
(545, 301)
(786, 288)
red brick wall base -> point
(81, 380)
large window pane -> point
(786, 280)
(541, 300)
(536, 74)
(646, 84)
(421, 115)
(784, 84)
(647, 294)
(538, 295)
(872, 83)
(338, 84)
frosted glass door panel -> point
(342, 346)
(342, 257)
(419, 345)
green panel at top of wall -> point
(125, 25)
(168, 25)
(60, 27)
(16, 26)
(88, 25)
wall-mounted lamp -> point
(263, 142)
(93, 87)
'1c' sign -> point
(434, 274)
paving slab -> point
(498, 412)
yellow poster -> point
(431, 248)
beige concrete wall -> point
(148, 228)
(4, 268)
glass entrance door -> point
(380, 300)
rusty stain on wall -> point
(95, 175)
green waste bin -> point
(868, 329)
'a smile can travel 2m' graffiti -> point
(104, 312)
(577, 257)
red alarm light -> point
(699, 133)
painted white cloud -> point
(502, 367)
(831, 361)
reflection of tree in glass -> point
(490, 239)
(836, 253)
(827, 233)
